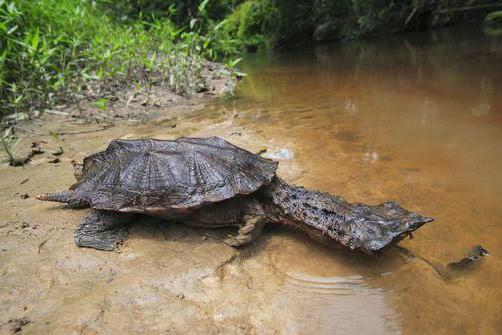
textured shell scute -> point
(182, 173)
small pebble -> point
(204, 237)
(57, 152)
(283, 154)
(37, 151)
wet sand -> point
(412, 118)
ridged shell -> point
(133, 175)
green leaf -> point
(11, 7)
(18, 99)
(218, 26)
(2, 57)
(240, 74)
(101, 104)
(151, 61)
(234, 62)
(192, 23)
(12, 29)
(89, 76)
(202, 6)
(35, 39)
(178, 32)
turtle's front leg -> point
(249, 231)
(103, 230)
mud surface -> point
(413, 119)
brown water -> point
(411, 118)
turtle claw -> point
(232, 241)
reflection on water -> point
(412, 118)
(344, 304)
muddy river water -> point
(411, 118)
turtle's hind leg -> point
(103, 230)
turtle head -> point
(372, 229)
(332, 220)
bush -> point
(494, 19)
(50, 48)
(302, 21)
(252, 21)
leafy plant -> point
(8, 145)
(50, 49)
(101, 104)
(234, 75)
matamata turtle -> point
(208, 182)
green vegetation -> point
(327, 20)
(252, 22)
(493, 23)
(51, 50)
(494, 20)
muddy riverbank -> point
(173, 279)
